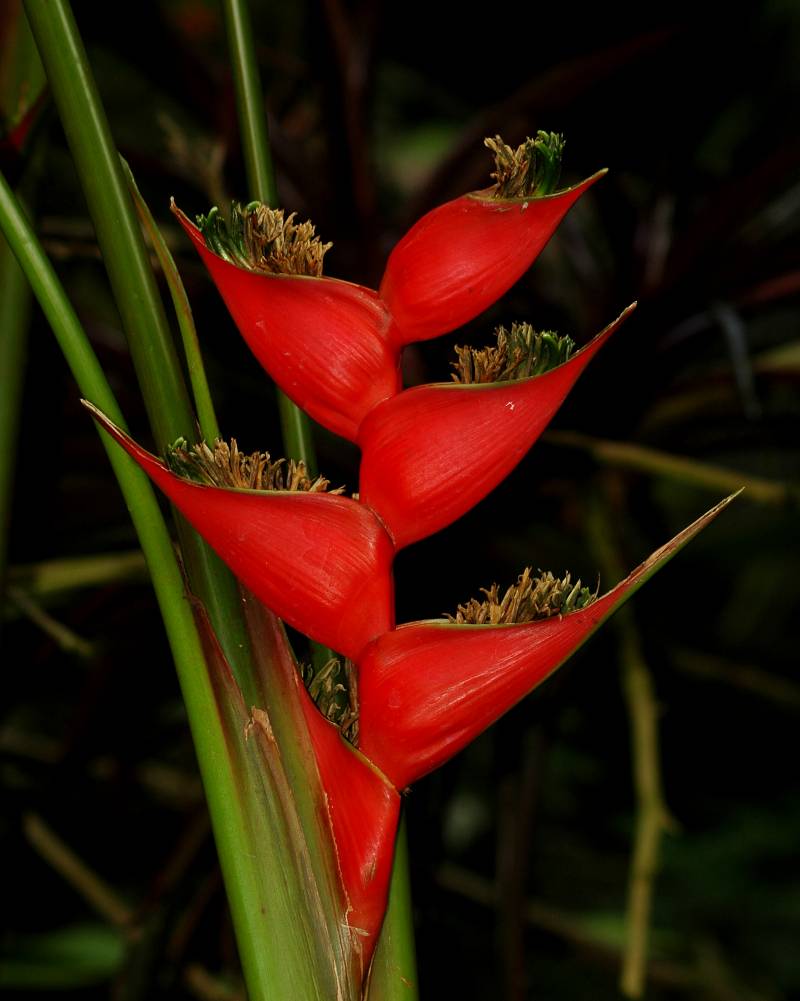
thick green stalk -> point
(142, 312)
(275, 958)
(295, 425)
(249, 102)
(394, 968)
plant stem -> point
(95, 891)
(183, 313)
(21, 82)
(68, 640)
(626, 455)
(127, 262)
(394, 969)
(51, 576)
(253, 127)
(295, 425)
(652, 817)
(118, 233)
(271, 972)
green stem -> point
(394, 969)
(249, 102)
(128, 264)
(295, 425)
(652, 817)
(270, 973)
(183, 312)
(627, 455)
(115, 223)
(49, 577)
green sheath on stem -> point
(295, 425)
(263, 887)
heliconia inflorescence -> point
(323, 562)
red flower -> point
(432, 452)
(428, 688)
(462, 256)
(333, 347)
(320, 562)
(327, 343)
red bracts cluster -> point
(323, 562)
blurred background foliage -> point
(522, 846)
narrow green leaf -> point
(183, 312)
(118, 234)
(295, 425)
(128, 264)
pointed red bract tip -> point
(363, 811)
(427, 689)
(321, 562)
(462, 256)
(325, 342)
(431, 453)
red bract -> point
(462, 256)
(428, 688)
(325, 342)
(363, 810)
(320, 562)
(431, 453)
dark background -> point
(521, 846)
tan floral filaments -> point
(264, 239)
(531, 170)
(529, 599)
(226, 466)
(519, 353)
(334, 689)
